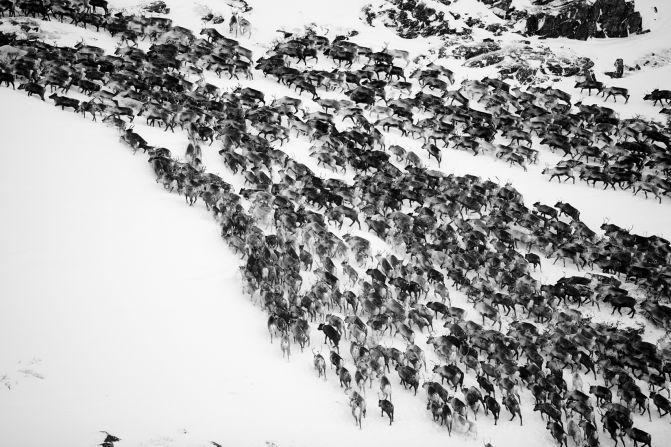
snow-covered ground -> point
(123, 309)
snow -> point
(123, 309)
(604, 51)
(129, 304)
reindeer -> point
(95, 4)
(245, 27)
(64, 101)
(589, 86)
(273, 326)
(451, 373)
(473, 88)
(233, 24)
(559, 171)
(301, 333)
(473, 398)
(490, 404)
(212, 34)
(607, 92)
(397, 54)
(134, 140)
(658, 96)
(638, 436)
(240, 25)
(92, 107)
(331, 334)
(385, 388)
(360, 377)
(285, 345)
(358, 405)
(319, 364)
(386, 407)
(574, 432)
(513, 406)
(193, 151)
(468, 427)
(557, 431)
(344, 377)
(8, 79)
(335, 360)
(489, 312)
(120, 111)
(88, 50)
(7, 6)
(33, 88)
(156, 113)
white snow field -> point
(129, 306)
(122, 308)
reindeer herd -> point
(307, 238)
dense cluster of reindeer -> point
(600, 148)
(444, 232)
(632, 154)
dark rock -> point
(578, 20)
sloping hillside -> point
(127, 311)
